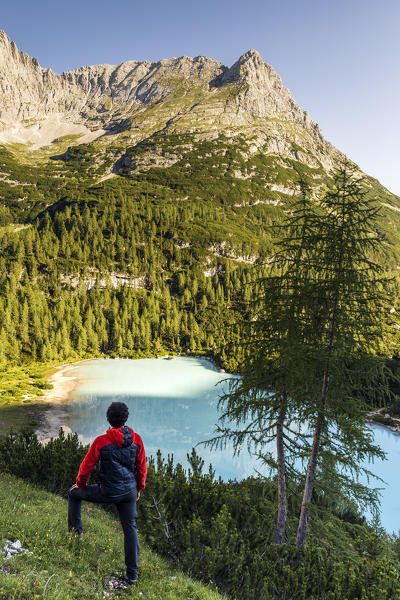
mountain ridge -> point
(140, 199)
(97, 99)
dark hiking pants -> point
(126, 506)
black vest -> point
(117, 466)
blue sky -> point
(340, 59)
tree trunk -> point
(280, 531)
(312, 465)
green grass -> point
(22, 384)
(74, 568)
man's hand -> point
(73, 487)
(138, 496)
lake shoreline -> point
(63, 386)
(56, 398)
(392, 424)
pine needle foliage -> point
(316, 318)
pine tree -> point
(316, 319)
(346, 339)
(261, 401)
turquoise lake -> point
(173, 406)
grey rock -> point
(198, 95)
(11, 548)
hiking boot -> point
(129, 580)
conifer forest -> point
(281, 270)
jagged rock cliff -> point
(184, 94)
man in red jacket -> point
(122, 477)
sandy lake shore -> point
(56, 416)
(62, 383)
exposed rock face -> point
(264, 94)
(190, 94)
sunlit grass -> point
(22, 384)
(65, 568)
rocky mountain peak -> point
(249, 62)
(9, 50)
(244, 69)
(4, 39)
(193, 94)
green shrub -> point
(378, 418)
(222, 532)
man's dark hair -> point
(117, 414)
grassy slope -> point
(23, 384)
(38, 519)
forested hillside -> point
(156, 261)
(141, 233)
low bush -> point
(222, 532)
(378, 418)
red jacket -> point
(123, 461)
